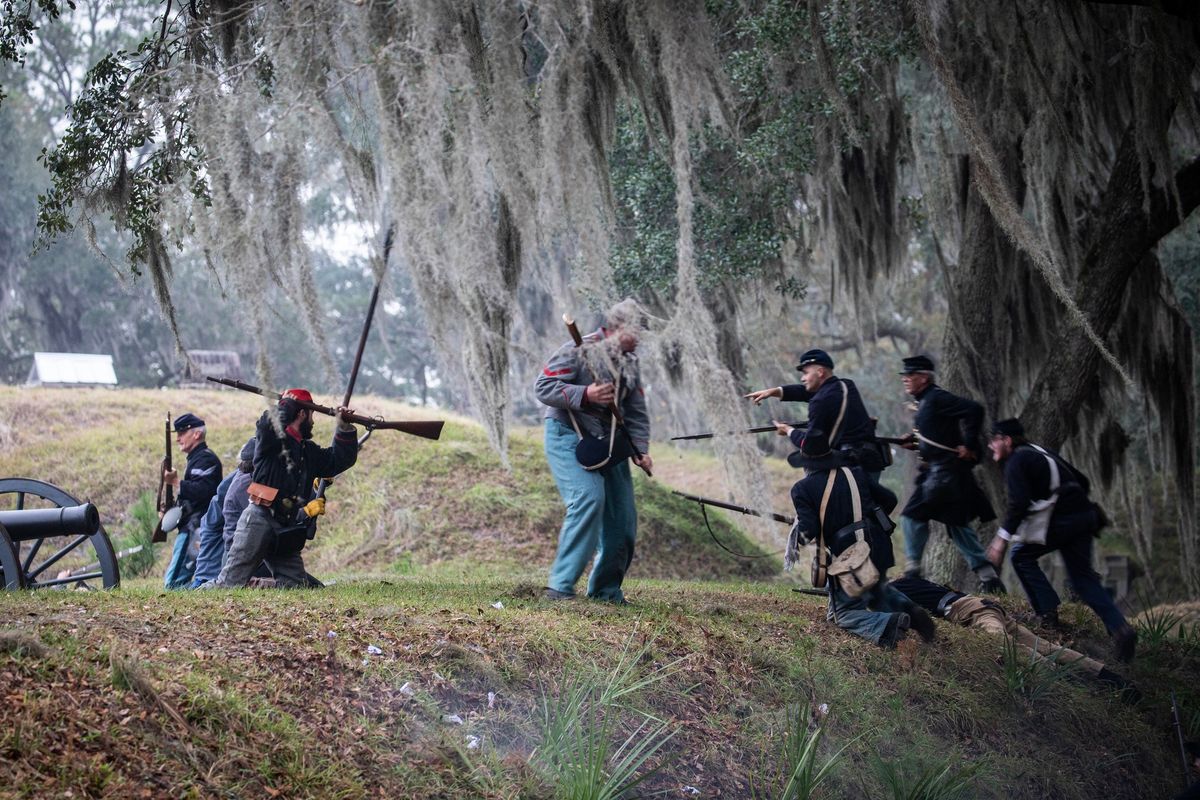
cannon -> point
(48, 538)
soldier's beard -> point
(306, 428)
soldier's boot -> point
(1125, 642)
(922, 623)
(1050, 620)
(896, 627)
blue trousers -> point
(212, 544)
(601, 519)
(916, 535)
(183, 560)
(1076, 552)
(867, 615)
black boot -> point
(992, 586)
(1125, 643)
(895, 629)
(922, 623)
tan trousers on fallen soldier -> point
(976, 612)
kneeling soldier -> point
(837, 506)
(201, 477)
(284, 468)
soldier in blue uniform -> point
(946, 433)
(835, 503)
(195, 488)
(1049, 511)
(834, 406)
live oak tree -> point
(1039, 150)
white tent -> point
(71, 369)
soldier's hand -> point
(315, 507)
(600, 393)
(996, 550)
(764, 394)
(645, 462)
(965, 453)
(171, 477)
(782, 428)
(909, 442)
(342, 425)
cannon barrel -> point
(38, 523)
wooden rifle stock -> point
(739, 509)
(612, 404)
(426, 429)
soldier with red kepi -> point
(286, 461)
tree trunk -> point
(975, 334)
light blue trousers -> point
(916, 535)
(183, 560)
(600, 514)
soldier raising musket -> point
(286, 461)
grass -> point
(696, 685)
(1029, 676)
(940, 780)
(582, 724)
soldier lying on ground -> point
(977, 612)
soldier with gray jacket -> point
(576, 386)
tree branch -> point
(1184, 9)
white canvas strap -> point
(932, 443)
(837, 426)
(855, 499)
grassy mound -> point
(406, 504)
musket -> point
(426, 429)
(83, 573)
(739, 509)
(166, 492)
(323, 484)
(771, 428)
(612, 404)
(762, 429)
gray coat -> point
(569, 371)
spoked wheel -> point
(11, 575)
(72, 560)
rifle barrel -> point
(739, 509)
(769, 428)
(761, 429)
(427, 429)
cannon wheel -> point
(11, 574)
(35, 567)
